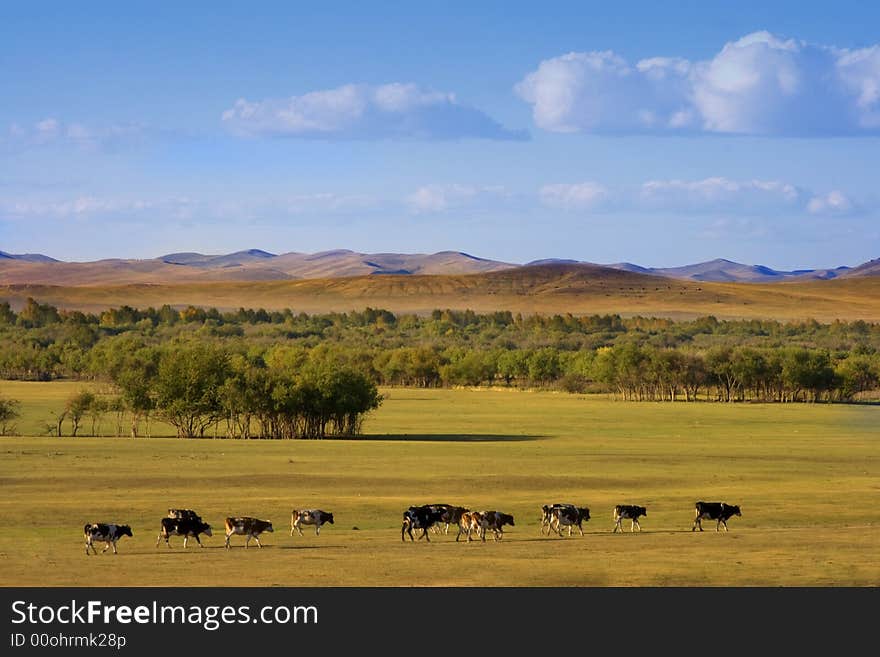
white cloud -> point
(438, 198)
(834, 202)
(579, 196)
(184, 208)
(758, 85)
(360, 111)
(720, 193)
(716, 195)
(54, 131)
(81, 206)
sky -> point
(655, 133)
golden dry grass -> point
(549, 289)
(806, 477)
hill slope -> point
(251, 265)
(576, 289)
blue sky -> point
(658, 133)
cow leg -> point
(248, 540)
(724, 522)
(299, 529)
(257, 539)
(616, 525)
(227, 540)
(196, 536)
(317, 530)
(184, 540)
(634, 524)
(89, 544)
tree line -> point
(255, 373)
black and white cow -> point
(628, 511)
(721, 512)
(247, 526)
(316, 517)
(420, 517)
(494, 521)
(108, 533)
(183, 514)
(185, 527)
(567, 515)
(451, 515)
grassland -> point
(540, 289)
(807, 478)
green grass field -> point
(806, 476)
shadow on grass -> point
(451, 437)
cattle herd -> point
(434, 517)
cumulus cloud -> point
(834, 202)
(760, 84)
(360, 111)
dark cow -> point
(567, 515)
(550, 513)
(109, 533)
(420, 517)
(469, 522)
(451, 516)
(183, 514)
(247, 526)
(628, 511)
(494, 521)
(316, 517)
(185, 527)
(721, 512)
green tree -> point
(188, 388)
(8, 414)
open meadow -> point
(806, 476)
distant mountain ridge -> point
(727, 271)
(260, 265)
(248, 265)
(26, 257)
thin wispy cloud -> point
(360, 111)
(440, 198)
(761, 84)
(183, 208)
(52, 131)
(709, 195)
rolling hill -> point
(250, 265)
(259, 265)
(547, 288)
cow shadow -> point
(452, 437)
